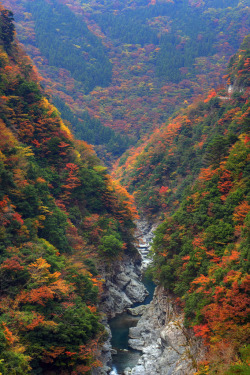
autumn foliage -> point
(148, 83)
(202, 248)
(58, 206)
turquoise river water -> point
(126, 357)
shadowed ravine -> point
(126, 356)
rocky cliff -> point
(122, 286)
(168, 347)
(121, 289)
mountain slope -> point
(61, 217)
(160, 169)
(194, 174)
(160, 61)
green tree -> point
(7, 28)
(110, 245)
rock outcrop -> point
(168, 348)
(122, 287)
(145, 235)
(137, 311)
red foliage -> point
(225, 183)
(163, 190)
(212, 94)
(71, 181)
(12, 264)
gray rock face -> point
(105, 353)
(145, 235)
(136, 311)
(122, 287)
(167, 347)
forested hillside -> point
(61, 217)
(160, 169)
(162, 53)
(156, 72)
(194, 173)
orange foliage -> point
(212, 94)
(92, 308)
(8, 334)
(241, 212)
(12, 263)
(36, 322)
(49, 356)
(198, 242)
(206, 174)
(40, 295)
(230, 308)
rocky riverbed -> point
(144, 235)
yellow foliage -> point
(45, 210)
(65, 128)
(60, 286)
(51, 109)
(42, 217)
(2, 156)
(50, 323)
(25, 151)
(40, 264)
(7, 135)
(100, 168)
(3, 56)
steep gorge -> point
(201, 249)
(67, 232)
(163, 345)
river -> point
(126, 357)
(167, 348)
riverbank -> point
(149, 337)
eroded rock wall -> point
(122, 287)
(168, 348)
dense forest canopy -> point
(151, 57)
(174, 154)
(194, 173)
(156, 72)
(61, 218)
(64, 39)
